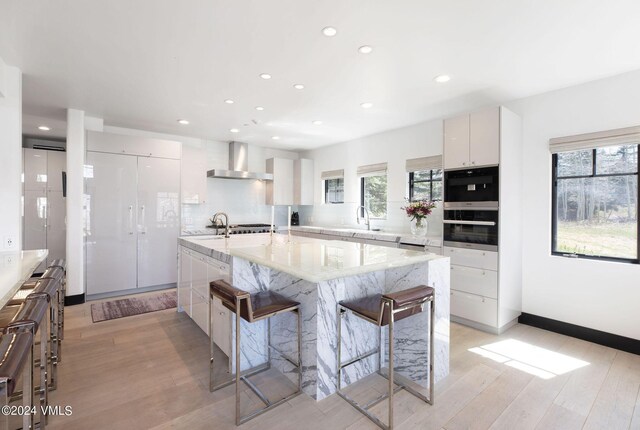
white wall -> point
(596, 294)
(393, 147)
(242, 200)
(11, 156)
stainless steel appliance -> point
(475, 229)
(241, 228)
(471, 188)
(238, 165)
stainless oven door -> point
(475, 229)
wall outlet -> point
(8, 242)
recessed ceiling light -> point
(229, 101)
(275, 137)
(259, 108)
(234, 130)
(298, 87)
(366, 105)
(365, 49)
(316, 122)
(329, 31)
(43, 128)
(265, 76)
(441, 79)
(183, 121)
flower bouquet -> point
(417, 211)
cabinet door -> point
(194, 175)
(158, 220)
(220, 316)
(184, 281)
(280, 190)
(474, 308)
(200, 291)
(303, 182)
(56, 164)
(484, 132)
(56, 225)
(35, 169)
(105, 142)
(456, 142)
(110, 203)
(34, 222)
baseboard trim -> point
(77, 299)
(596, 336)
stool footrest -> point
(358, 358)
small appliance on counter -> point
(295, 218)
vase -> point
(419, 227)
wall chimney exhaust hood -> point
(238, 165)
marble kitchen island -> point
(318, 274)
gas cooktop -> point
(242, 228)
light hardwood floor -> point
(151, 372)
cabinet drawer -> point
(221, 326)
(200, 312)
(433, 250)
(474, 308)
(482, 282)
(223, 268)
(472, 258)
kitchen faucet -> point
(366, 212)
(214, 220)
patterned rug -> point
(132, 306)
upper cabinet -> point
(303, 182)
(472, 140)
(280, 190)
(194, 175)
(132, 145)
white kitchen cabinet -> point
(44, 210)
(221, 316)
(200, 292)
(280, 190)
(158, 220)
(472, 140)
(456, 142)
(132, 208)
(434, 250)
(132, 145)
(194, 175)
(184, 281)
(111, 237)
(484, 137)
(481, 282)
(472, 257)
(474, 308)
(303, 182)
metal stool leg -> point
(238, 318)
(391, 385)
(27, 387)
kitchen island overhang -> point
(318, 274)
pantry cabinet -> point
(472, 140)
(303, 182)
(279, 191)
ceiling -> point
(147, 63)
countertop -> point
(385, 236)
(311, 259)
(16, 267)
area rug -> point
(132, 306)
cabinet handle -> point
(222, 313)
(473, 163)
(464, 163)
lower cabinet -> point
(196, 271)
(475, 308)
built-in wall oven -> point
(475, 229)
(471, 188)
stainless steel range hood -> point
(238, 165)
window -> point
(595, 202)
(334, 190)
(373, 195)
(425, 185)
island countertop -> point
(16, 268)
(311, 259)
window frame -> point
(594, 174)
(326, 190)
(362, 202)
(412, 181)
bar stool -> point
(382, 310)
(15, 359)
(253, 307)
(62, 265)
(32, 319)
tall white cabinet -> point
(486, 286)
(44, 210)
(132, 213)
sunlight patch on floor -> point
(532, 359)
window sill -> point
(594, 258)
